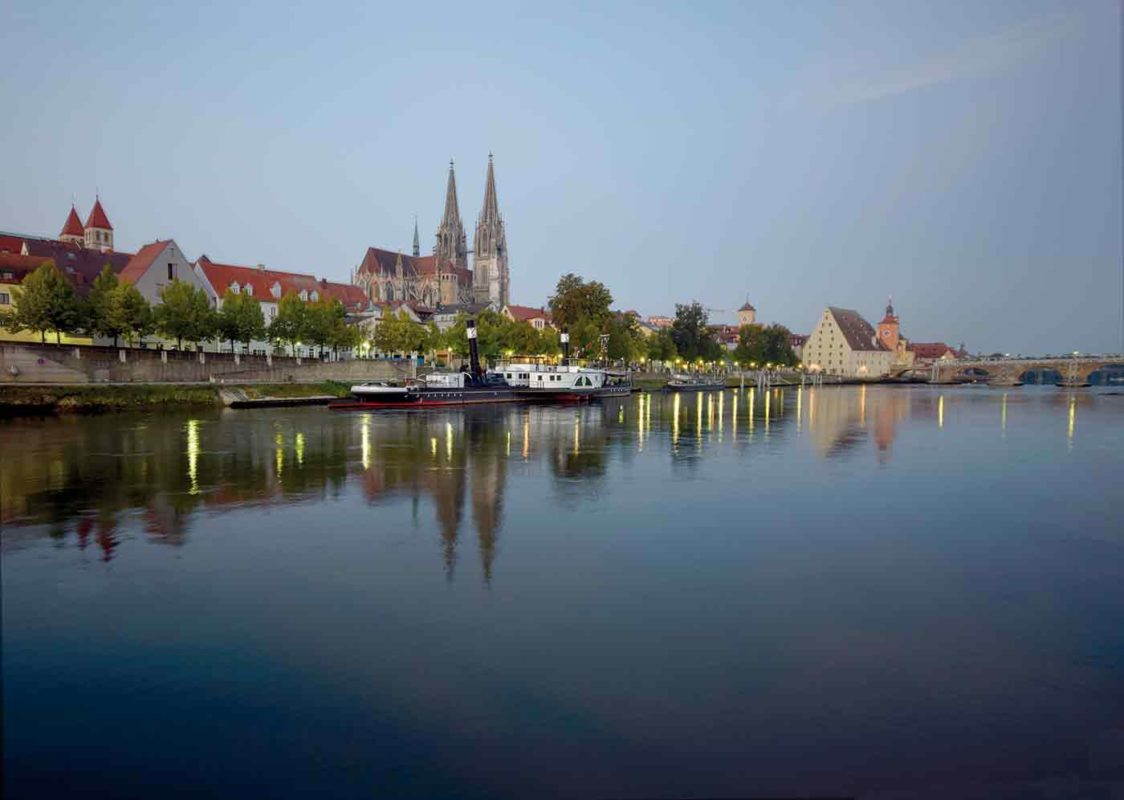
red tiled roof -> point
(377, 261)
(527, 313)
(856, 330)
(222, 276)
(97, 218)
(353, 297)
(73, 225)
(19, 266)
(139, 264)
(10, 243)
(82, 265)
(747, 307)
(931, 349)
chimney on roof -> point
(261, 267)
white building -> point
(843, 343)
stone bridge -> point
(1075, 371)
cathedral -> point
(445, 277)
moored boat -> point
(567, 382)
(472, 386)
(688, 383)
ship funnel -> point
(565, 346)
(473, 351)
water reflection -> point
(78, 476)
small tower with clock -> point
(889, 329)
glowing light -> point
(799, 404)
(862, 406)
(507, 443)
(752, 398)
(365, 440)
(675, 402)
(1003, 414)
(526, 437)
(449, 440)
(433, 446)
(193, 454)
(734, 417)
(767, 396)
(710, 413)
(1072, 419)
(279, 453)
(298, 444)
(577, 435)
(721, 412)
(640, 424)
(940, 411)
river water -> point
(886, 592)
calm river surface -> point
(888, 592)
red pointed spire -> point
(97, 218)
(73, 226)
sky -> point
(963, 157)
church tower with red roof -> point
(72, 230)
(889, 329)
(98, 233)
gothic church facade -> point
(445, 278)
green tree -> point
(128, 313)
(398, 333)
(98, 302)
(46, 302)
(690, 333)
(661, 347)
(778, 345)
(575, 302)
(626, 342)
(240, 319)
(185, 313)
(322, 320)
(289, 325)
(751, 345)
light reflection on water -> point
(637, 597)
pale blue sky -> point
(964, 157)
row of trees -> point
(47, 303)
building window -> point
(234, 287)
(171, 271)
(249, 290)
(5, 299)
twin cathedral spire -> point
(490, 282)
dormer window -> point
(304, 295)
(314, 296)
(249, 290)
(275, 290)
(234, 287)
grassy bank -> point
(87, 399)
(259, 391)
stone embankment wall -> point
(50, 364)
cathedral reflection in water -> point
(81, 481)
